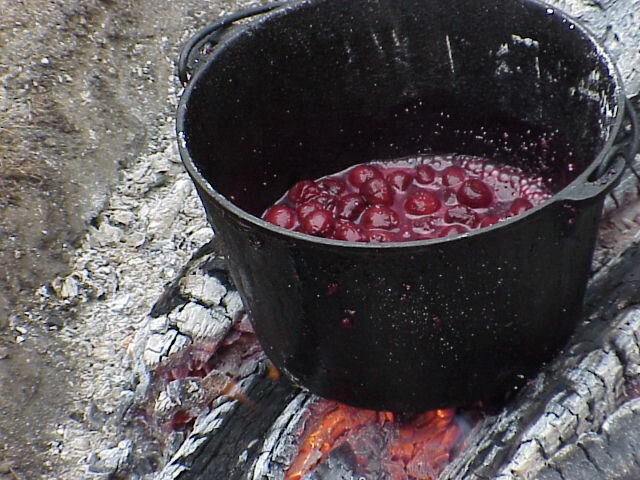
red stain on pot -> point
(416, 448)
(408, 199)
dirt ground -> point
(86, 88)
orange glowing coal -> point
(412, 449)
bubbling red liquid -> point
(416, 198)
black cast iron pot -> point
(314, 86)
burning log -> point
(376, 443)
(580, 393)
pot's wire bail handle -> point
(626, 146)
(203, 42)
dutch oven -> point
(308, 88)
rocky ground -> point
(97, 214)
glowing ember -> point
(413, 449)
(184, 386)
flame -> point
(272, 372)
(417, 449)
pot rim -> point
(561, 196)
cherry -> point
(520, 205)
(303, 191)
(377, 191)
(350, 206)
(378, 202)
(453, 175)
(360, 174)
(381, 236)
(399, 180)
(422, 203)
(461, 214)
(319, 223)
(327, 200)
(332, 186)
(305, 209)
(425, 174)
(425, 227)
(379, 216)
(475, 193)
(489, 220)
(281, 216)
(349, 232)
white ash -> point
(206, 424)
(206, 290)
(119, 271)
(201, 323)
(158, 346)
(110, 460)
(233, 303)
(277, 453)
(180, 342)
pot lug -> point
(620, 156)
(603, 185)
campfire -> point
(219, 400)
(400, 446)
(380, 443)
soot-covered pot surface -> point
(316, 86)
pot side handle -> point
(620, 156)
(203, 43)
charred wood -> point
(229, 437)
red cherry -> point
(350, 206)
(332, 186)
(319, 223)
(461, 214)
(399, 180)
(425, 174)
(360, 174)
(475, 193)
(306, 208)
(349, 232)
(281, 216)
(453, 175)
(489, 220)
(520, 205)
(327, 200)
(424, 227)
(422, 203)
(379, 216)
(381, 237)
(303, 191)
(381, 203)
(452, 230)
(377, 191)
